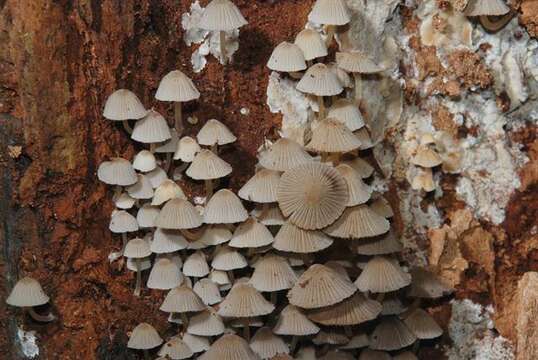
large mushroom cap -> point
(176, 86)
(330, 12)
(358, 222)
(187, 148)
(221, 15)
(331, 136)
(176, 349)
(224, 207)
(320, 286)
(359, 192)
(152, 128)
(391, 334)
(312, 195)
(206, 166)
(357, 62)
(123, 105)
(319, 80)
(273, 273)
(266, 344)
(244, 300)
(164, 275)
(347, 112)
(291, 238)
(230, 347)
(117, 171)
(381, 275)
(311, 43)
(486, 7)
(251, 234)
(292, 321)
(262, 187)
(206, 323)
(352, 311)
(287, 57)
(182, 299)
(215, 133)
(27, 292)
(178, 214)
(144, 337)
(283, 155)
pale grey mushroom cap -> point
(287, 57)
(117, 171)
(137, 248)
(27, 292)
(152, 128)
(122, 222)
(164, 275)
(123, 105)
(321, 81)
(224, 207)
(142, 189)
(178, 87)
(187, 148)
(146, 215)
(221, 15)
(311, 43)
(357, 62)
(144, 161)
(176, 349)
(330, 12)
(144, 337)
(207, 166)
(169, 146)
(215, 133)
(347, 112)
(168, 241)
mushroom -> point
(164, 275)
(228, 259)
(137, 249)
(386, 244)
(196, 265)
(151, 129)
(28, 293)
(221, 16)
(229, 347)
(167, 241)
(272, 273)
(224, 207)
(208, 291)
(175, 348)
(142, 189)
(311, 44)
(358, 222)
(168, 148)
(197, 344)
(293, 322)
(166, 191)
(121, 222)
(118, 172)
(269, 214)
(182, 300)
(285, 154)
(206, 323)
(180, 214)
(144, 337)
(178, 88)
(144, 161)
(267, 345)
(359, 192)
(391, 334)
(287, 57)
(484, 9)
(215, 133)
(357, 63)
(331, 13)
(251, 234)
(123, 105)
(208, 166)
(291, 238)
(382, 275)
(353, 311)
(422, 324)
(332, 137)
(346, 112)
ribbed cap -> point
(123, 105)
(221, 15)
(176, 86)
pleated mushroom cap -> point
(382, 207)
(137, 248)
(422, 324)
(123, 201)
(166, 191)
(122, 222)
(144, 161)
(219, 277)
(353, 311)
(156, 177)
(287, 57)
(117, 171)
(227, 259)
(486, 7)
(269, 216)
(215, 133)
(145, 264)
(178, 214)
(283, 155)
(168, 241)
(319, 80)
(182, 299)
(175, 349)
(273, 273)
(262, 187)
(330, 338)
(196, 343)
(229, 347)
(361, 166)
(164, 275)
(312, 195)
(311, 43)
(291, 238)
(364, 138)
(206, 323)
(331, 136)
(266, 344)
(196, 265)
(123, 105)
(169, 146)
(358, 222)
(224, 207)
(215, 235)
(359, 192)
(27, 292)
(244, 300)
(208, 291)
(330, 12)
(386, 244)
(426, 157)
(207, 166)
(142, 189)
(292, 321)
(369, 354)
(423, 180)
(427, 285)
(391, 334)
(356, 62)
(320, 286)
(176, 86)
(382, 275)
(152, 128)
(356, 342)
(251, 234)
(221, 15)
(144, 337)
(392, 305)
(187, 148)
(343, 76)
(346, 112)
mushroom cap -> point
(312, 195)
(175, 349)
(287, 57)
(251, 234)
(219, 277)
(422, 324)
(320, 286)
(152, 128)
(117, 171)
(382, 207)
(178, 214)
(330, 338)
(196, 265)
(266, 344)
(207, 166)
(364, 138)
(182, 299)
(215, 133)
(168, 189)
(227, 259)
(347, 112)
(486, 7)
(187, 148)
(137, 248)
(423, 180)
(382, 275)
(311, 43)
(392, 305)
(145, 264)
(244, 300)
(123, 201)
(144, 337)
(229, 347)
(144, 161)
(357, 62)
(369, 354)
(319, 80)
(206, 323)
(168, 241)
(330, 12)
(292, 321)
(215, 235)
(386, 244)
(283, 155)
(361, 166)
(142, 189)
(352, 311)
(391, 334)
(342, 75)
(358, 222)
(169, 146)
(196, 343)
(27, 292)
(426, 157)
(262, 187)
(426, 284)
(359, 192)
(176, 86)
(156, 177)
(331, 136)
(164, 275)
(291, 238)
(208, 291)
(356, 342)
(224, 207)
(272, 273)
(221, 15)
(122, 222)
(123, 105)
(271, 215)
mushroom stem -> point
(215, 149)
(178, 122)
(331, 29)
(127, 127)
(358, 87)
(231, 276)
(185, 320)
(380, 297)
(294, 340)
(349, 331)
(152, 147)
(208, 189)
(324, 157)
(497, 24)
(117, 192)
(273, 297)
(416, 346)
(192, 235)
(321, 104)
(41, 318)
(222, 41)
(246, 333)
(146, 354)
(138, 277)
(265, 210)
(167, 162)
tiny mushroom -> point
(137, 249)
(331, 13)
(144, 337)
(28, 293)
(123, 105)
